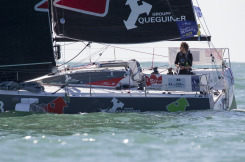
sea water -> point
(127, 137)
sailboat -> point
(32, 81)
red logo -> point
(42, 6)
(57, 106)
(153, 80)
(90, 7)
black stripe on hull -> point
(77, 105)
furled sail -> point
(120, 21)
(26, 50)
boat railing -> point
(226, 57)
(179, 83)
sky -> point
(225, 21)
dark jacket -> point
(184, 60)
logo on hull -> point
(57, 106)
(179, 105)
(118, 106)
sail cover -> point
(120, 21)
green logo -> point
(179, 105)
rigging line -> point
(95, 53)
(7, 70)
(76, 55)
(80, 62)
(25, 71)
(102, 53)
(204, 19)
(86, 59)
(25, 64)
(209, 42)
(137, 51)
(171, 9)
(153, 57)
(101, 50)
(206, 37)
(69, 38)
(173, 14)
(203, 28)
(215, 66)
(56, 14)
(220, 57)
(63, 25)
(98, 58)
(69, 43)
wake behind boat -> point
(111, 86)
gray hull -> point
(86, 77)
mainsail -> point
(26, 50)
(119, 21)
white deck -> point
(100, 92)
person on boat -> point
(184, 59)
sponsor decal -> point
(160, 17)
(136, 11)
(56, 106)
(176, 82)
(195, 80)
(154, 81)
(42, 6)
(1, 106)
(187, 29)
(118, 106)
(92, 7)
(179, 105)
